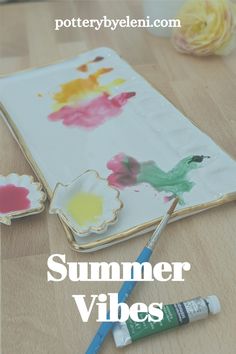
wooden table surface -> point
(40, 317)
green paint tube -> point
(175, 315)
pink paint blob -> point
(124, 171)
(13, 198)
(93, 113)
(167, 198)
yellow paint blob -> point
(85, 208)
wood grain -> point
(39, 317)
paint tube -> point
(175, 315)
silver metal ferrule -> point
(157, 233)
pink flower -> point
(125, 170)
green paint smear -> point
(85, 208)
(174, 181)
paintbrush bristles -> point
(173, 206)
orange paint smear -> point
(81, 88)
(84, 67)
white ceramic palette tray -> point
(95, 112)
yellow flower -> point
(207, 27)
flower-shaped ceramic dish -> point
(19, 196)
(87, 205)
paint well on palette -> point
(85, 208)
(13, 199)
(127, 171)
(93, 113)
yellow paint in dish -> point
(85, 208)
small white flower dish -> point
(19, 196)
(92, 185)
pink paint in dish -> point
(93, 113)
(13, 198)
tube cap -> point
(121, 335)
(214, 304)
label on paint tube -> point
(174, 316)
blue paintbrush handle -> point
(128, 286)
(124, 292)
(144, 255)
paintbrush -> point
(128, 286)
